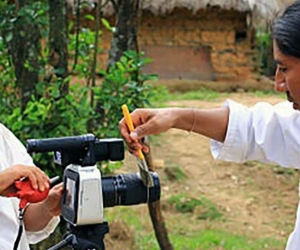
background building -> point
(209, 40)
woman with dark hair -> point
(240, 133)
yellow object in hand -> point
(130, 126)
(142, 164)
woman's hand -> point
(38, 215)
(38, 179)
(54, 199)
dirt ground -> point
(258, 200)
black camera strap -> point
(21, 225)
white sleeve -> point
(35, 237)
(264, 132)
(12, 152)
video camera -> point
(86, 192)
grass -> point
(184, 237)
(174, 173)
(161, 95)
(202, 94)
(261, 93)
(202, 207)
(216, 240)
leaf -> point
(106, 24)
(89, 17)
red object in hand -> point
(27, 193)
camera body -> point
(86, 192)
(82, 201)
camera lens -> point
(128, 189)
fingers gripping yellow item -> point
(144, 171)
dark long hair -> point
(286, 30)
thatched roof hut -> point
(200, 39)
(264, 8)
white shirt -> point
(266, 133)
(13, 152)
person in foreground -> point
(263, 132)
(40, 219)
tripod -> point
(88, 237)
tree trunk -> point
(25, 49)
(125, 36)
(155, 212)
(58, 40)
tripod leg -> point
(91, 236)
(85, 237)
(69, 240)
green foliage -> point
(8, 93)
(108, 168)
(263, 37)
(206, 210)
(50, 115)
(34, 13)
(106, 24)
(6, 21)
(264, 47)
(160, 94)
(59, 113)
(86, 48)
(122, 84)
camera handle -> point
(88, 237)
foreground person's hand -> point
(146, 122)
(38, 179)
